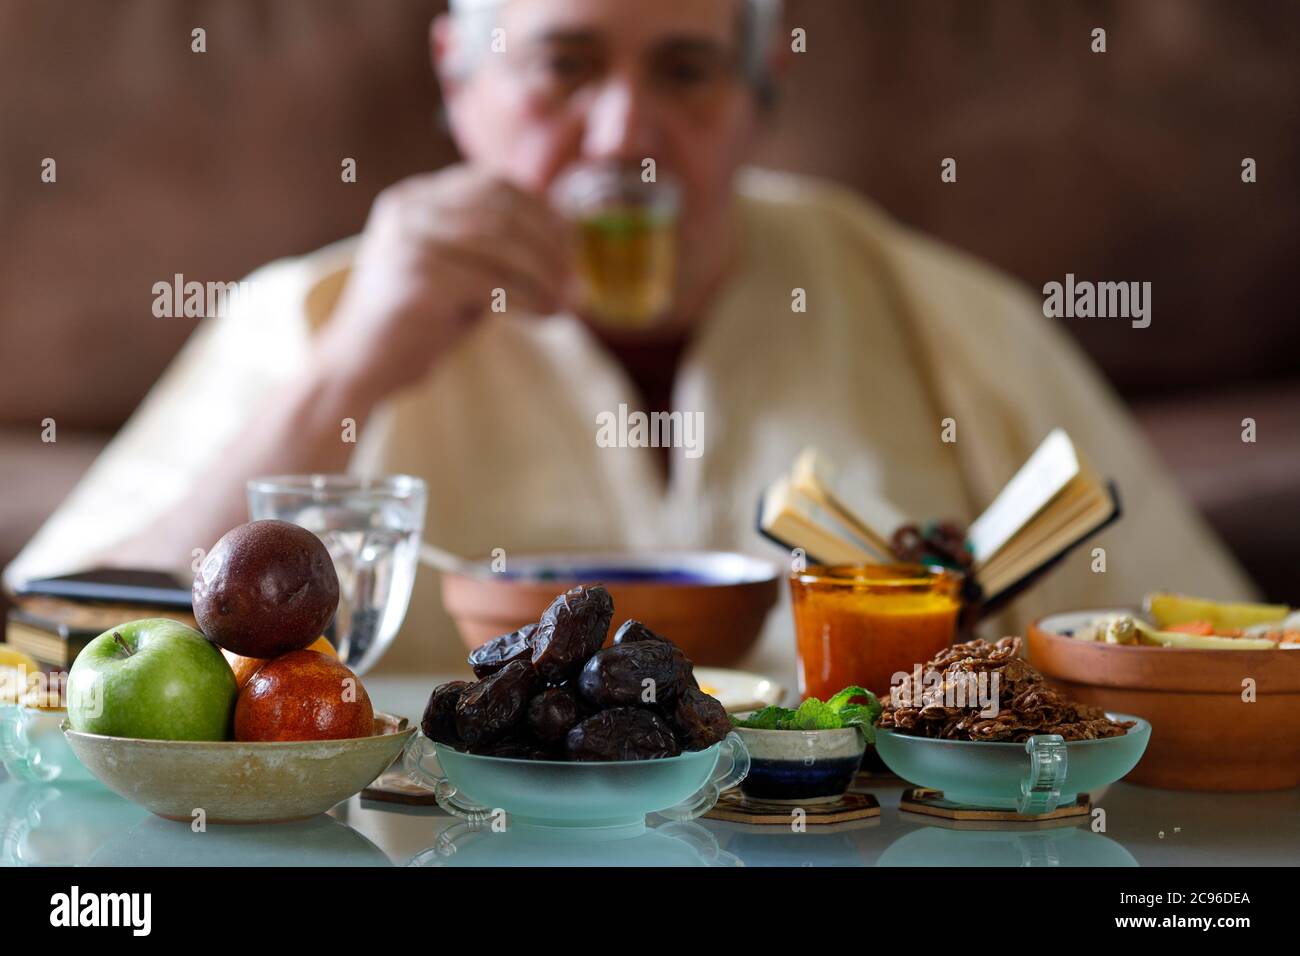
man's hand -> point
(434, 249)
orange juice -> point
(862, 625)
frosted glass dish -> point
(1033, 777)
(578, 794)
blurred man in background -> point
(799, 314)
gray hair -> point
(474, 20)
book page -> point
(868, 514)
(1049, 469)
(1060, 533)
(798, 521)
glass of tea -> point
(627, 242)
(864, 624)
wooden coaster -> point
(931, 803)
(866, 779)
(734, 807)
(395, 786)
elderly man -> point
(800, 314)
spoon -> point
(442, 560)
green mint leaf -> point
(814, 715)
(841, 700)
(769, 718)
(863, 718)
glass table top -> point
(72, 824)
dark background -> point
(1122, 166)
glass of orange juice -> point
(864, 624)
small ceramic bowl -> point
(1190, 697)
(234, 782)
(555, 794)
(801, 766)
(711, 604)
(33, 748)
(1032, 778)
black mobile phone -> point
(114, 585)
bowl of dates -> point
(712, 603)
(560, 731)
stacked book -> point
(53, 619)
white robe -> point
(899, 334)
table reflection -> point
(1074, 845)
(668, 844)
(59, 824)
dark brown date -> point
(641, 674)
(494, 706)
(624, 733)
(571, 630)
(518, 747)
(551, 714)
(629, 632)
(439, 721)
(487, 659)
(700, 721)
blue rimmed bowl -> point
(711, 604)
(801, 766)
(1032, 778)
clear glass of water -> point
(372, 528)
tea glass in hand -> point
(627, 242)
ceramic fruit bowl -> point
(1032, 778)
(712, 604)
(801, 766)
(586, 795)
(233, 782)
(1193, 699)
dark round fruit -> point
(640, 674)
(489, 710)
(623, 733)
(570, 631)
(551, 714)
(439, 721)
(266, 588)
(632, 631)
(487, 659)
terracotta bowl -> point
(1203, 735)
(236, 782)
(712, 604)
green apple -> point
(154, 678)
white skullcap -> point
(762, 18)
(767, 10)
(472, 6)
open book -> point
(1054, 503)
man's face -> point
(609, 80)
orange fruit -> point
(246, 667)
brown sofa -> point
(1123, 165)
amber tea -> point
(626, 262)
(627, 243)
